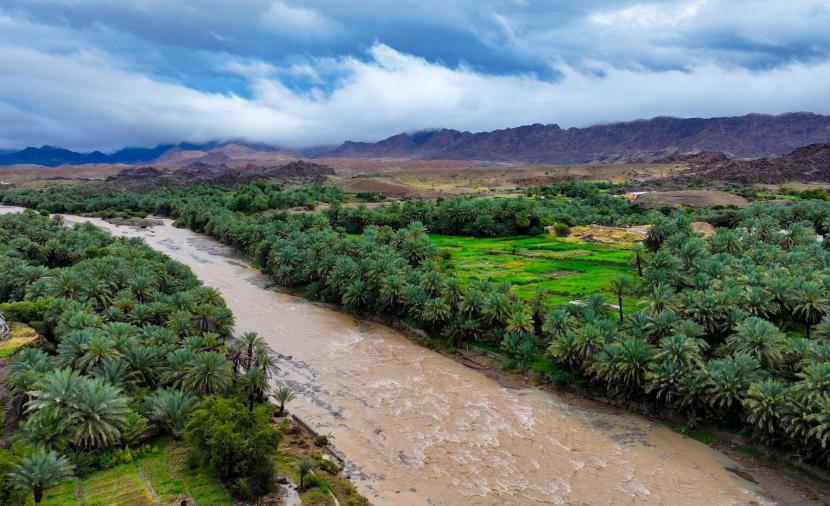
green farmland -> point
(165, 472)
(567, 270)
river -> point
(418, 428)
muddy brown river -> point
(419, 428)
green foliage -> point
(40, 470)
(235, 443)
(561, 229)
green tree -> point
(621, 285)
(170, 408)
(209, 373)
(40, 471)
(234, 443)
(284, 395)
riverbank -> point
(417, 426)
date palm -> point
(557, 323)
(177, 366)
(435, 310)
(810, 304)
(765, 402)
(255, 383)
(621, 285)
(638, 253)
(170, 408)
(728, 380)
(99, 415)
(284, 395)
(209, 374)
(41, 470)
(520, 322)
(760, 339)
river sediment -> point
(417, 427)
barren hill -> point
(749, 136)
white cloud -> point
(86, 100)
(650, 15)
(294, 20)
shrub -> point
(234, 443)
(561, 229)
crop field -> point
(163, 469)
(568, 270)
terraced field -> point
(568, 270)
(162, 472)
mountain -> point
(52, 156)
(750, 136)
(805, 164)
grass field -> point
(127, 485)
(19, 335)
(567, 270)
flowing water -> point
(417, 427)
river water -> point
(419, 428)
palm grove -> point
(732, 328)
(132, 343)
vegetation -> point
(234, 443)
(41, 470)
(566, 271)
(732, 328)
(131, 341)
(163, 469)
(735, 327)
(564, 204)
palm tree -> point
(435, 310)
(758, 338)
(810, 304)
(99, 415)
(620, 285)
(521, 322)
(821, 423)
(255, 383)
(170, 407)
(57, 389)
(40, 471)
(557, 323)
(97, 349)
(661, 297)
(563, 349)
(209, 374)
(765, 402)
(284, 395)
(176, 368)
(50, 428)
(306, 466)
(638, 252)
(728, 379)
(136, 428)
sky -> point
(104, 74)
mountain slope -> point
(749, 136)
(806, 164)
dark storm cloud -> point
(299, 73)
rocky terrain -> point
(656, 140)
(204, 173)
(806, 164)
(749, 136)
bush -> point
(235, 444)
(561, 229)
(25, 310)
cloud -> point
(284, 19)
(108, 73)
(649, 15)
(101, 104)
